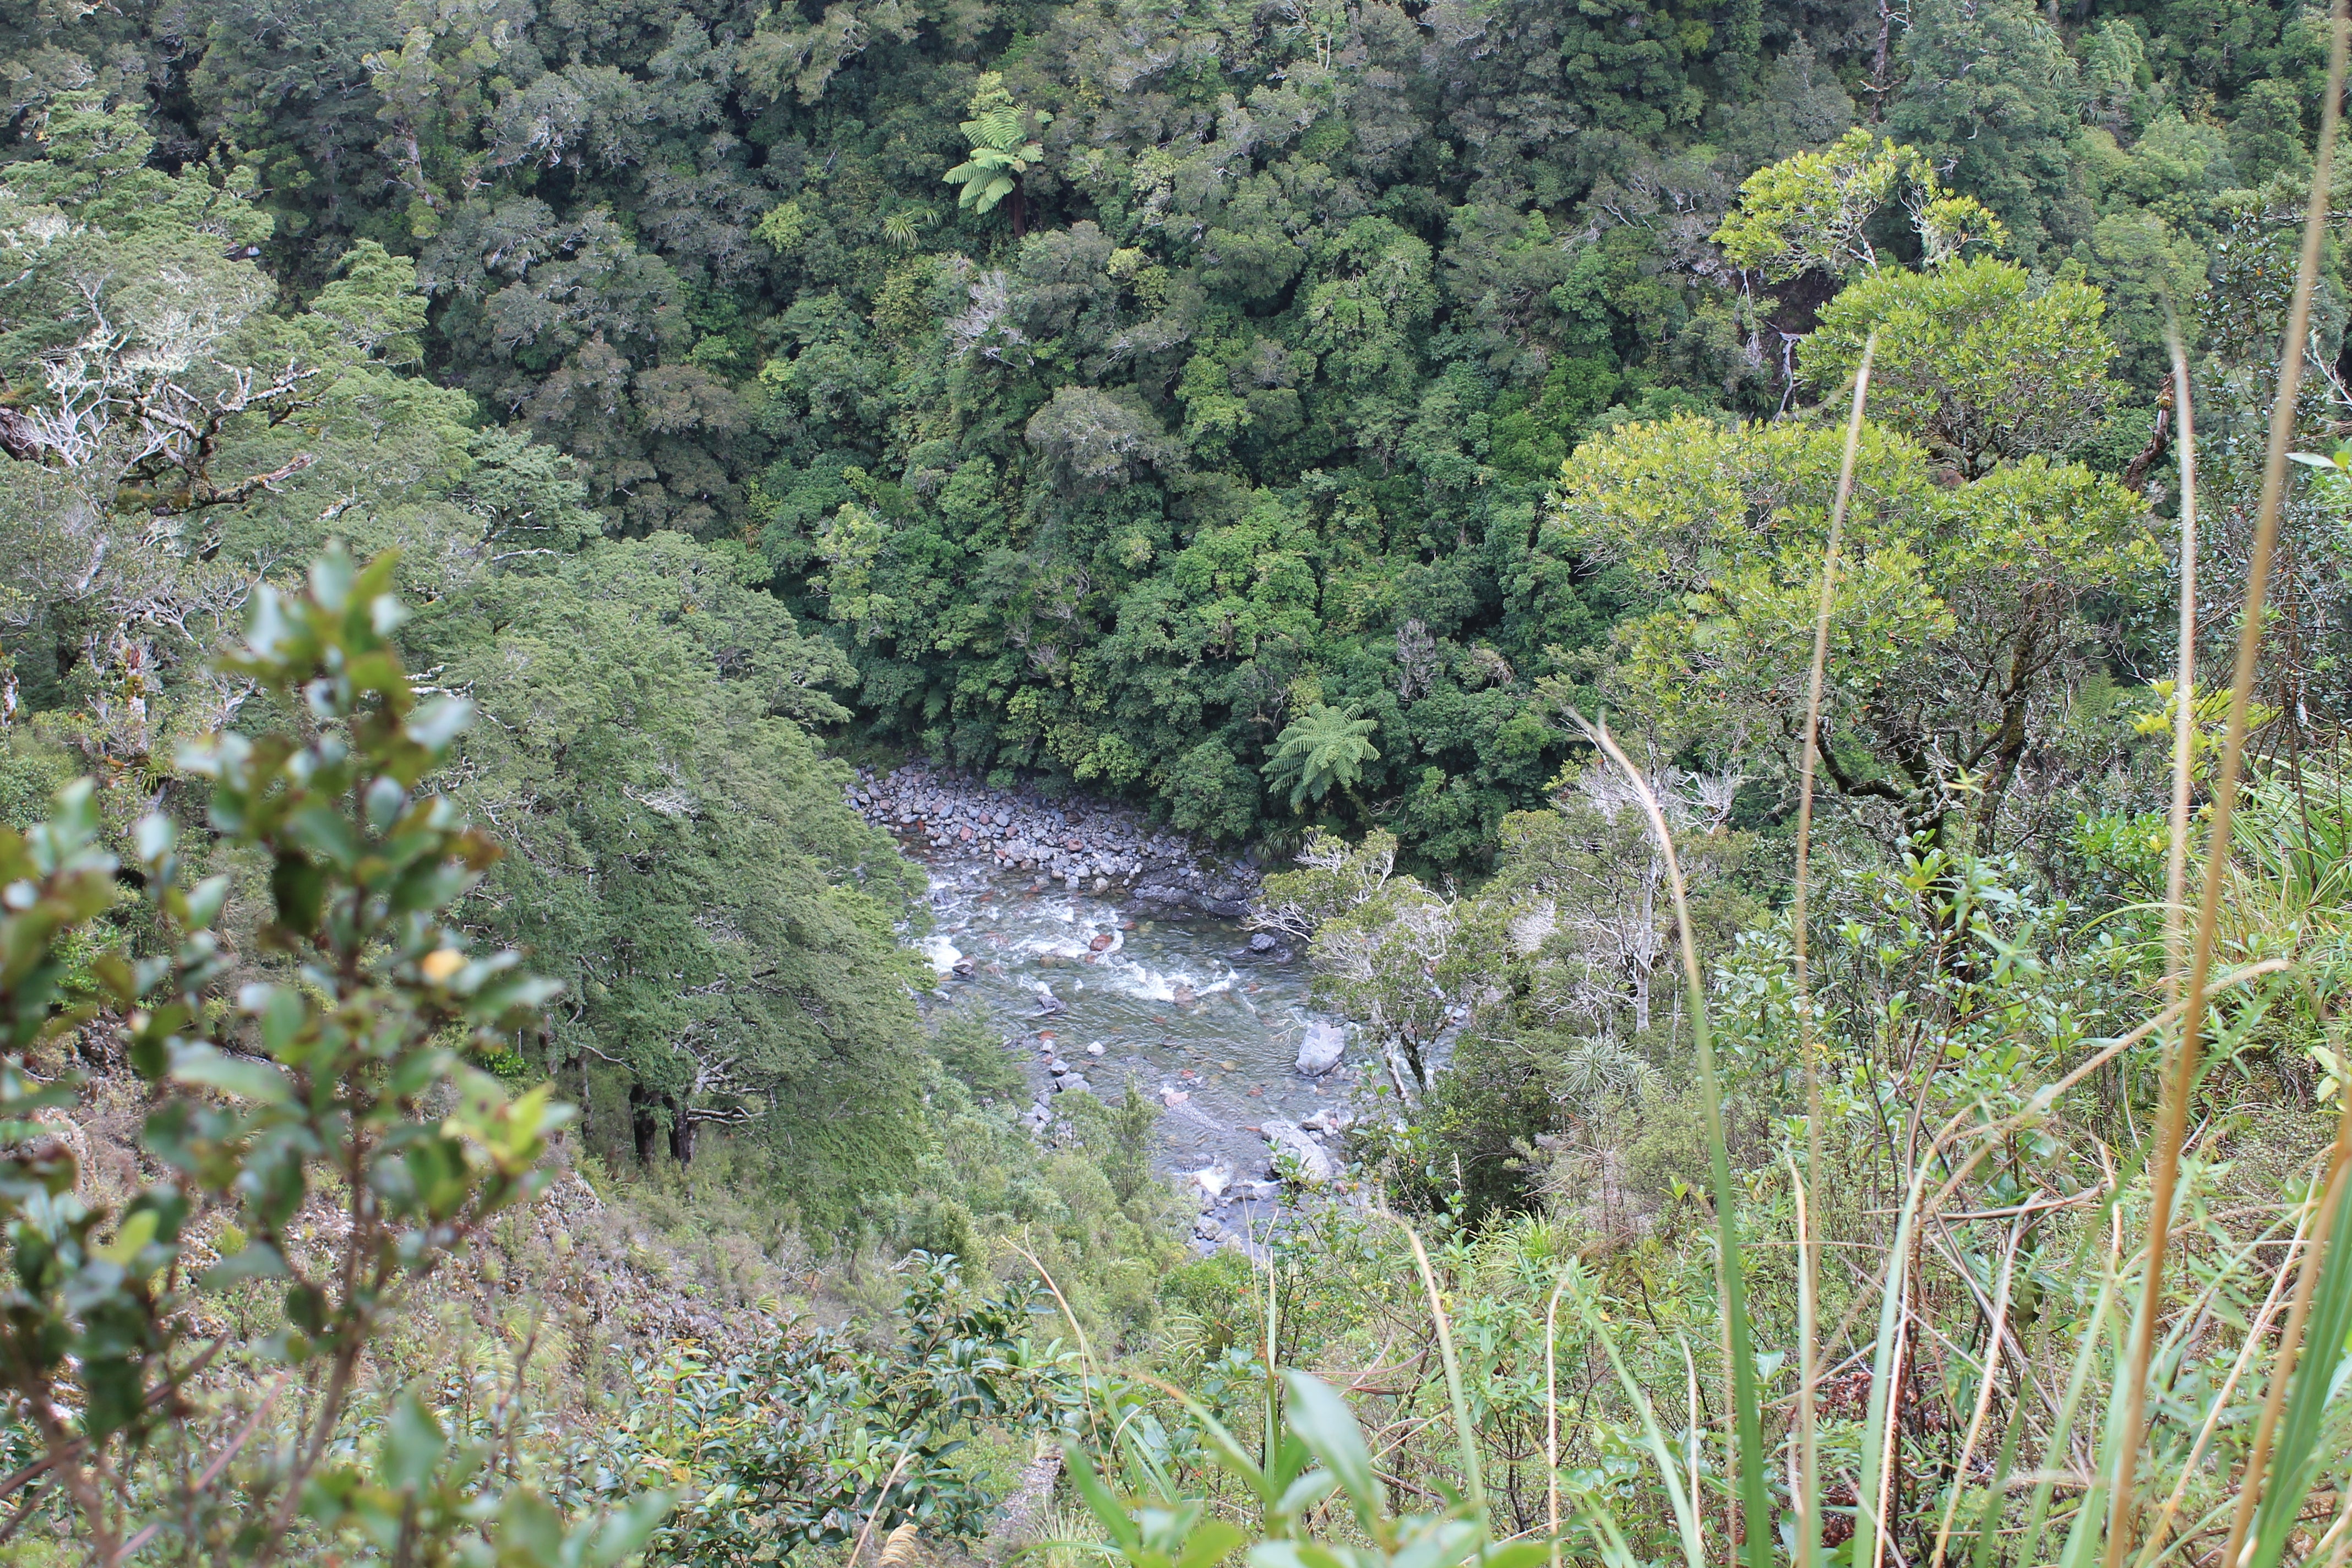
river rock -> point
(1287, 1138)
(1263, 941)
(1320, 1047)
(1214, 1179)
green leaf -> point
(138, 1230)
(1306, 1492)
(246, 1080)
(254, 1260)
(440, 724)
(1209, 1544)
(281, 1015)
(1516, 1554)
(2297, 1459)
(1293, 1554)
(1323, 1419)
(624, 1532)
(1108, 1509)
(529, 1530)
(411, 1445)
(206, 901)
(300, 890)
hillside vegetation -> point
(1758, 591)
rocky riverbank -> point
(1083, 844)
(1073, 920)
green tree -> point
(1323, 748)
(1812, 211)
(685, 861)
(1004, 145)
(178, 429)
(1957, 624)
(1977, 361)
(1990, 94)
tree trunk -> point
(681, 1135)
(645, 1121)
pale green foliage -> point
(1811, 211)
(1591, 913)
(179, 428)
(1398, 958)
(796, 1442)
(1323, 748)
(1004, 147)
(1977, 361)
(1312, 1448)
(1404, 965)
(1335, 877)
(1955, 621)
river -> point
(1208, 1030)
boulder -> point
(1263, 942)
(1320, 1047)
(1214, 1179)
(1288, 1140)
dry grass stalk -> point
(2181, 1083)
(1809, 1457)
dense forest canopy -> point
(1119, 386)
(1640, 546)
(1287, 417)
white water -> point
(1207, 1029)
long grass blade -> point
(1551, 1408)
(1879, 1420)
(1654, 1437)
(1746, 1401)
(1808, 1447)
(1805, 1482)
(2257, 1335)
(2062, 1429)
(2321, 1318)
(2184, 683)
(1999, 1326)
(1996, 1495)
(2172, 1125)
(1472, 1483)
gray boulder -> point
(1288, 1140)
(1319, 1048)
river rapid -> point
(1178, 1002)
(1084, 975)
